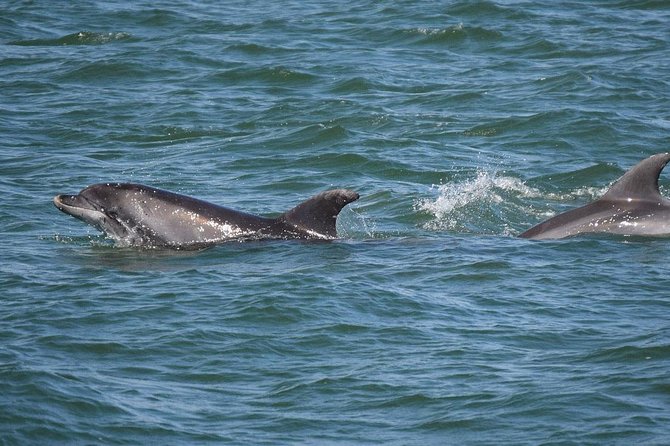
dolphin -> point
(138, 215)
(632, 206)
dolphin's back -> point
(633, 205)
(573, 222)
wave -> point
(255, 49)
(452, 34)
(645, 5)
(519, 122)
(268, 74)
(579, 123)
(80, 38)
(492, 10)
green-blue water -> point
(460, 123)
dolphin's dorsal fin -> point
(641, 181)
(319, 213)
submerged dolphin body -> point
(137, 215)
(632, 206)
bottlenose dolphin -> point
(632, 206)
(137, 215)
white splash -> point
(485, 202)
(486, 188)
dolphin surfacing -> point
(138, 215)
(632, 206)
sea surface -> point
(428, 322)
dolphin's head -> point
(100, 205)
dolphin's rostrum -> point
(632, 206)
(138, 215)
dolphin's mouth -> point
(75, 205)
(89, 212)
(83, 209)
(64, 201)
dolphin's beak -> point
(78, 207)
(66, 202)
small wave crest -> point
(80, 38)
(451, 34)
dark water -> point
(461, 124)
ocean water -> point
(460, 123)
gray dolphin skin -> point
(632, 206)
(138, 215)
